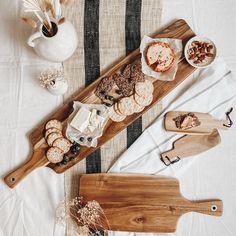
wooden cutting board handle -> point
(210, 207)
(171, 154)
(38, 159)
(221, 124)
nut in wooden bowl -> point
(200, 52)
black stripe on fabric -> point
(132, 41)
(92, 64)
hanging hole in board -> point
(13, 179)
(213, 208)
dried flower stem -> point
(61, 21)
(39, 17)
(50, 77)
(89, 215)
(66, 2)
(45, 10)
(29, 21)
(49, 7)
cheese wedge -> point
(81, 119)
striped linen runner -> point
(107, 31)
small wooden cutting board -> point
(142, 203)
(207, 123)
(191, 145)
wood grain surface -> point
(207, 123)
(179, 29)
(142, 203)
(191, 145)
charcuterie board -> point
(142, 203)
(179, 29)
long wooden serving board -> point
(179, 29)
(142, 203)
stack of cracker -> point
(134, 103)
(58, 144)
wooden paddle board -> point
(206, 126)
(179, 29)
(191, 145)
(142, 203)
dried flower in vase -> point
(83, 217)
(54, 81)
(50, 77)
(47, 12)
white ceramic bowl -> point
(208, 61)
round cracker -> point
(126, 106)
(63, 144)
(54, 154)
(52, 130)
(143, 101)
(53, 124)
(52, 137)
(137, 107)
(144, 89)
(115, 116)
(115, 107)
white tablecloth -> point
(29, 208)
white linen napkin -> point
(213, 92)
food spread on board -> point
(86, 123)
(114, 101)
(59, 146)
(186, 121)
(160, 56)
(126, 92)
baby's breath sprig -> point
(50, 77)
(87, 216)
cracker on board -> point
(144, 88)
(125, 85)
(104, 87)
(52, 137)
(116, 109)
(115, 116)
(136, 72)
(126, 106)
(143, 101)
(52, 130)
(53, 124)
(63, 144)
(54, 154)
(137, 107)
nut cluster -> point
(199, 51)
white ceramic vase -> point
(58, 88)
(56, 48)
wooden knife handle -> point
(38, 159)
(210, 207)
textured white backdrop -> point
(29, 208)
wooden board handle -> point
(221, 124)
(170, 154)
(210, 207)
(38, 159)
